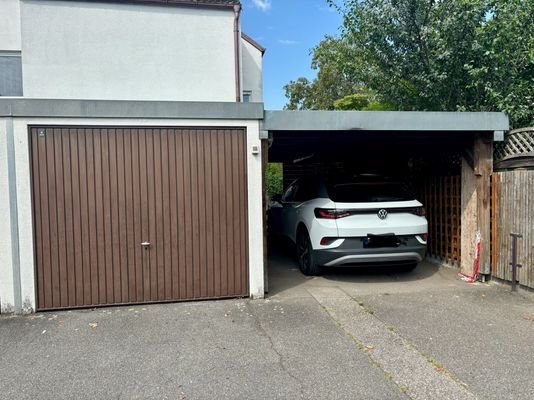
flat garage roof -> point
(70, 108)
(273, 120)
(385, 121)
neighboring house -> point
(128, 50)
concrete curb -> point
(417, 375)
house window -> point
(247, 96)
(10, 74)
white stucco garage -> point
(20, 259)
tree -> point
(507, 74)
(441, 55)
(335, 80)
(299, 94)
(364, 101)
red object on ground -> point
(476, 263)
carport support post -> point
(483, 163)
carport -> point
(445, 157)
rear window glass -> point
(368, 192)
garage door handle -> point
(146, 245)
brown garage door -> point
(136, 215)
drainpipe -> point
(237, 43)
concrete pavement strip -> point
(417, 375)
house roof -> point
(253, 43)
(190, 3)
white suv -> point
(363, 221)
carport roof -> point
(384, 121)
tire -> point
(307, 264)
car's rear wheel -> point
(307, 264)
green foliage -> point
(447, 55)
(380, 106)
(299, 94)
(363, 102)
(357, 101)
(506, 75)
(274, 178)
(334, 78)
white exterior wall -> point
(82, 50)
(252, 61)
(24, 206)
(9, 25)
(7, 296)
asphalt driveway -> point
(345, 335)
(479, 335)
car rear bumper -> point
(353, 251)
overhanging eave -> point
(385, 121)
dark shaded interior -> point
(336, 145)
(428, 162)
(406, 156)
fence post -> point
(514, 263)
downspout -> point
(237, 43)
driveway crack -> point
(263, 332)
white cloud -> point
(263, 5)
(285, 41)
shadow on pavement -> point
(284, 273)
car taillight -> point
(328, 213)
(425, 237)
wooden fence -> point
(513, 211)
(441, 196)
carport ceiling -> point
(330, 135)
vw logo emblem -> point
(382, 214)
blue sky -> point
(288, 29)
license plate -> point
(375, 241)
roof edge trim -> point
(385, 121)
(59, 108)
(172, 3)
(255, 44)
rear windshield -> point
(368, 192)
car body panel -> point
(354, 251)
(294, 214)
(398, 223)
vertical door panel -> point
(99, 192)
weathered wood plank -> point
(513, 212)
